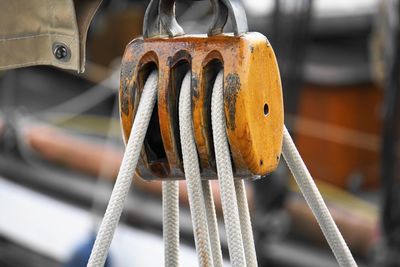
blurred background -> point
(61, 145)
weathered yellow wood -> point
(252, 95)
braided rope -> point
(225, 176)
(192, 174)
(126, 172)
(245, 224)
(170, 205)
(315, 202)
(233, 196)
(212, 224)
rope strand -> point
(233, 195)
(126, 172)
(212, 224)
(170, 206)
(225, 176)
(245, 224)
(315, 202)
(192, 174)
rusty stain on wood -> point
(232, 87)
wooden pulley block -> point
(252, 93)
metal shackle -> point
(160, 18)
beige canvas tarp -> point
(44, 32)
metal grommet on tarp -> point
(61, 52)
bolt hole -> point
(261, 162)
(266, 109)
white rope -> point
(225, 176)
(212, 224)
(126, 172)
(245, 224)
(233, 195)
(192, 174)
(170, 203)
(316, 203)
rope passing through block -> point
(205, 107)
(125, 174)
(253, 103)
